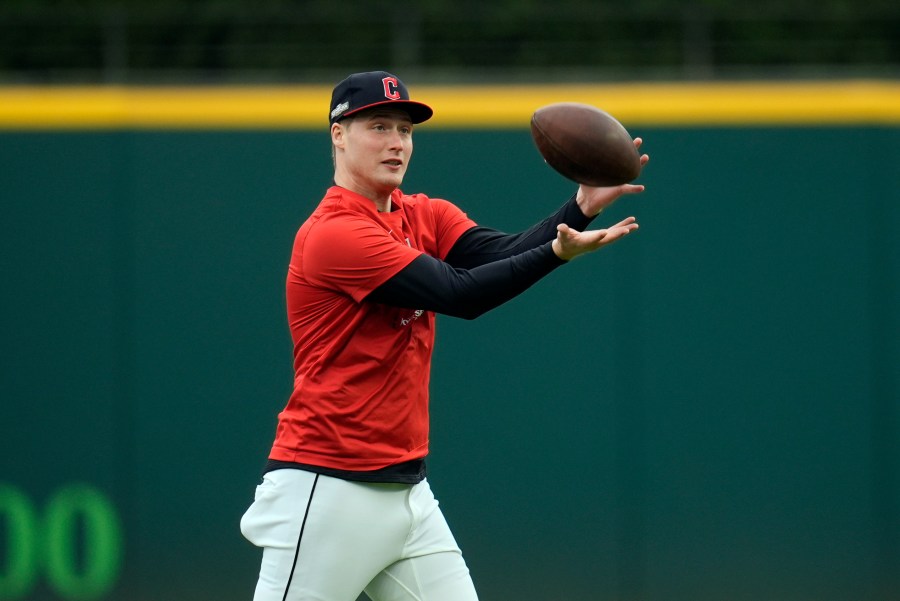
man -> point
(345, 505)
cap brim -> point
(417, 111)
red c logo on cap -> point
(391, 88)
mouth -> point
(393, 163)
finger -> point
(626, 222)
(645, 158)
(638, 142)
(632, 188)
(614, 233)
(624, 226)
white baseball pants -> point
(327, 539)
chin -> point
(392, 182)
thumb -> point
(561, 242)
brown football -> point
(585, 144)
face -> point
(372, 151)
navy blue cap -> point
(364, 90)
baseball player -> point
(345, 505)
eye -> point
(406, 130)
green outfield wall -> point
(708, 410)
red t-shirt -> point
(361, 370)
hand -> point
(593, 200)
(570, 243)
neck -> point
(381, 199)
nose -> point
(396, 139)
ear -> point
(338, 134)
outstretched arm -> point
(481, 245)
(433, 285)
(470, 283)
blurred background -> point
(138, 41)
(706, 411)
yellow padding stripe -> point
(854, 102)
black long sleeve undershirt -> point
(433, 285)
(484, 269)
(481, 245)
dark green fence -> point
(707, 410)
(53, 41)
